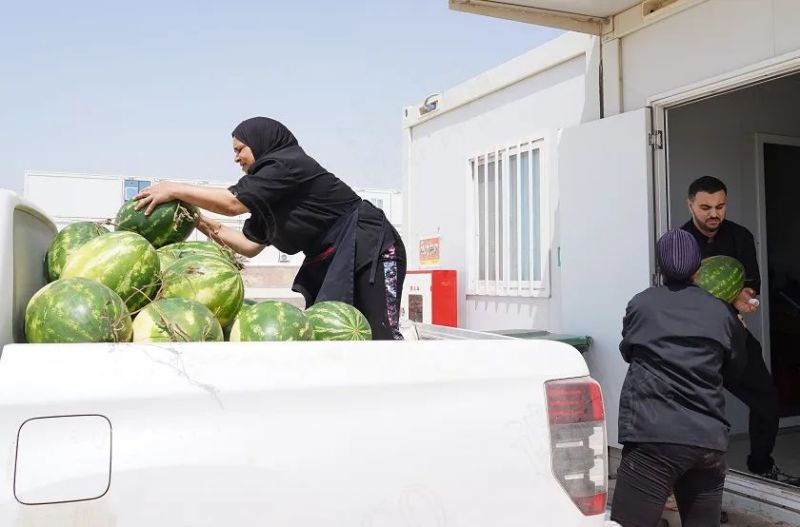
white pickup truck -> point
(440, 431)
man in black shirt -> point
(717, 235)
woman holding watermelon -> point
(681, 344)
(353, 254)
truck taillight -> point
(578, 441)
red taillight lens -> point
(578, 441)
(570, 402)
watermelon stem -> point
(149, 298)
(176, 333)
(182, 214)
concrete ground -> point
(786, 453)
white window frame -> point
(503, 285)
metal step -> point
(766, 498)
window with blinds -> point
(509, 246)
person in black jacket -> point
(681, 342)
(353, 254)
(717, 235)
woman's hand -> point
(219, 200)
(155, 195)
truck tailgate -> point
(426, 433)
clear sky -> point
(153, 89)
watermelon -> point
(234, 328)
(271, 320)
(174, 251)
(722, 276)
(176, 320)
(76, 310)
(334, 320)
(66, 242)
(123, 261)
(210, 280)
(168, 223)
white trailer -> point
(571, 159)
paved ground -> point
(786, 453)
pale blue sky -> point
(153, 89)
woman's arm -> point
(228, 237)
(219, 200)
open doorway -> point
(749, 137)
(781, 189)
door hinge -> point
(656, 139)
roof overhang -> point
(585, 16)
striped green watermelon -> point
(334, 320)
(233, 329)
(66, 242)
(210, 280)
(169, 253)
(722, 276)
(168, 223)
(124, 261)
(176, 320)
(271, 320)
(76, 310)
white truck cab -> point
(457, 428)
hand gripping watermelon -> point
(271, 320)
(176, 320)
(76, 310)
(123, 261)
(210, 280)
(334, 320)
(722, 276)
(174, 251)
(168, 223)
(66, 242)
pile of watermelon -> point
(144, 282)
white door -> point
(606, 232)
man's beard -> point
(711, 228)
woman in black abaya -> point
(353, 254)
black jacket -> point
(680, 342)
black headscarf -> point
(292, 199)
(264, 136)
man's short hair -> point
(706, 184)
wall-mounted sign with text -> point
(429, 251)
